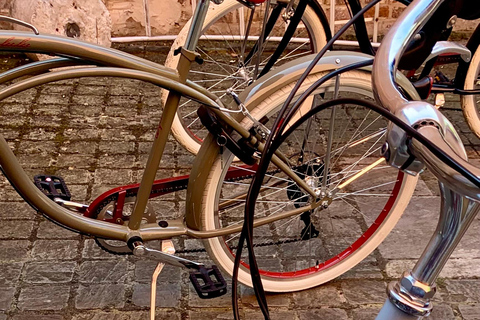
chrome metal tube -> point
(456, 214)
(196, 25)
(393, 47)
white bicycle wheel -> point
(220, 46)
(290, 253)
(471, 103)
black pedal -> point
(208, 282)
(52, 186)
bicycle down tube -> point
(134, 68)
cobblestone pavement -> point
(102, 130)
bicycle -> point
(122, 213)
(418, 136)
(189, 132)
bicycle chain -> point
(200, 250)
(178, 188)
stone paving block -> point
(80, 109)
(363, 292)
(469, 246)
(22, 97)
(116, 147)
(6, 297)
(144, 270)
(44, 297)
(117, 135)
(56, 88)
(81, 134)
(16, 229)
(13, 109)
(117, 176)
(92, 81)
(321, 314)
(28, 147)
(103, 271)
(10, 134)
(367, 313)
(167, 161)
(41, 134)
(3, 316)
(168, 295)
(123, 89)
(97, 296)
(441, 312)
(91, 90)
(165, 209)
(273, 299)
(325, 295)
(367, 269)
(470, 312)
(32, 316)
(145, 147)
(12, 121)
(463, 291)
(79, 194)
(9, 194)
(199, 314)
(38, 162)
(10, 273)
(82, 147)
(122, 108)
(14, 250)
(49, 272)
(87, 101)
(52, 99)
(76, 161)
(455, 268)
(117, 161)
(274, 314)
(47, 110)
(47, 121)
(75, 176)
(416, 225)
(126, 315)
(47, 249)
(49, 230)
(92, 251)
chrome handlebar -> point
(418, 114)
(412, 294)
(392, 48)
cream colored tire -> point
(273, 260)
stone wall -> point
(168, 16)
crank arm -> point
(140, 250)
(74, 206)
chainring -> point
(116, 246)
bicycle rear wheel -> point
(313, 247)
(226, 65)
(471, 103)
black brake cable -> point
(411, 132)
(247, 230)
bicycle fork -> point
(412, 294)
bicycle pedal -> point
(208, 282)
(52, 186)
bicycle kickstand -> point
(167, 247)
